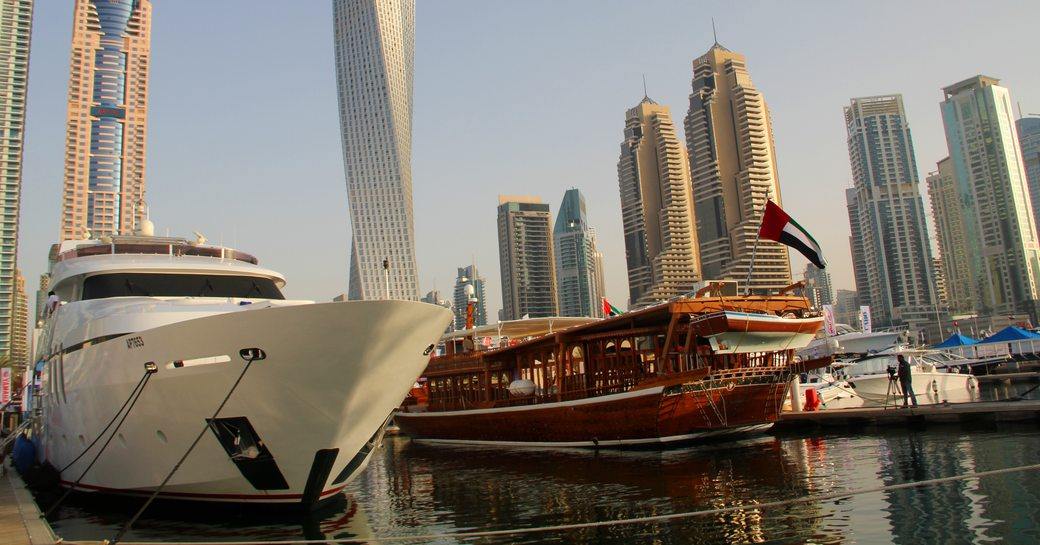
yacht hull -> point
(312, 410)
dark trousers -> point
(907, 385)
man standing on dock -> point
(906, 382)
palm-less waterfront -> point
(416, 489)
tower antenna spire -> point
(714, 33)
(645, 95)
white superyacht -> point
(323, 378)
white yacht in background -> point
(866, 381)
(849, 341)
(302, 422)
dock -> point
(952, 413)
(1028, 375)
(20, 520)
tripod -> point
(892, 385)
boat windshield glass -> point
(179, 285)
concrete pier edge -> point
(35, 528)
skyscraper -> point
(656, 209)
(15, 32)
(433, 297)
(846, 307)
(896, 256)
(1000, 231)
(578, 282)
(729, 137)
(818, 285)
(1029, 141)
(944, 194)
(19, 351)
(525, 253)
(856, 238)
(107, 118)
(375, 50)
(469, 275)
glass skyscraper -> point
(1029, 141)
(15, 32)
(375, 49)
(993, 194)
(107, 118)
(893, 254)
(578, 282)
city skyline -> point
(237, 175)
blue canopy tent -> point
(1011, 334)
(1016, 342)
(956, 340)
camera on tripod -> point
(891, 372)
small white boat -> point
(300, 425)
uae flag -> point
(779, 227)
(609, 309)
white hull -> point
(333, 374)
(930, 387)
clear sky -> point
(511, 97)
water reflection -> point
(461, 488)
(413, 489)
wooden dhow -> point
(682, 370)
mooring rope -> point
(249, 361)
(823, 497)
(149, 370)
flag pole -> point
(751, 267)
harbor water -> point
(415, 489)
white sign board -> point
(864, 319)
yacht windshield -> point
(179, 285)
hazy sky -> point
(511, 97)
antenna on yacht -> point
(386, 273)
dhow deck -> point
(953, 413)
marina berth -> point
(146, 337)
(678, 371)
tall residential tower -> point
(896, 279)
(1029, 141)
(15, 32)
(106, 125)
(656, 209)
(1000, 230)
(375, 50)
(729, 137)
(574, 243)
(950, 234)
(818, 285)
(525, 250)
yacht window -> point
(179, 285)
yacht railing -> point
(171, 249)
